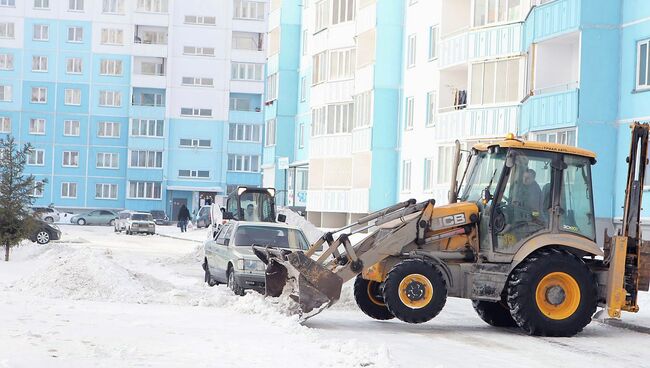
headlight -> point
(135, 225)
(250, 265)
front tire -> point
(232, 283)
(495, 314)
(370, 300)
(552, 293)
(43, 237)
(415, 291)
(81, 222)
(208, 277)
(111, 223)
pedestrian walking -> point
(183, 218)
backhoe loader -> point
(518, 238)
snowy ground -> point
(103, 299)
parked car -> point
(96, 217)
(45, 232)
(159, 217)
(135, 222)
(203, 218)
(47, 214)
(229, 257)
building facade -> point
(138, 104)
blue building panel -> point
(33, 36)
(71, 38)
(122, 79)
(67, 70)
(40, 64)
(35, 100)
(73, 107)
(17, 69)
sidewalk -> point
(193, 235)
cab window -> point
(576, 199)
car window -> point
(222, 234)
(106, 213)
(124, 216)
(94, 213)
(141, 217)
(269, 235)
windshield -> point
(271, 236)
(483, 173)
(141, 217)
(158, 214)
(256, 206)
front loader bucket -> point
(309, 284)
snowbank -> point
(311, 232)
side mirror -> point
(228, 216)
(282, 218)
(486, 196)
(226, 241)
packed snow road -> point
(110, 300)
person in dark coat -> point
(183, 218)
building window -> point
(39, 95)
(200, 20)
(406, 176)
(41, 4)
(319, 68)
(148, 99)
(305, 42)
(73, 66)
(301, 135)
(8, 3)
(36, 157)
(38, 189)
(7, 30)
(39, 63)
(191, 111)
(332, 119)
(432, 110)
(110, 99)
(433, 42)
(495, 82)
(247, 71)
(342, 11)
(410, 56)
(563, 136)
(72, 97)
(248, 41)
(410, 104)
(240, 104)
(270, 132)
(68, 190)
(75, 5)
(71, 128)
(198, 174)
(488, 12)
(643, 65)
(144, 190)
(244, 132)
(113, 6)
(363, 104)
(71, 158)
(107, 160)
(112, 36)
(249, 10)
(108, 129)
(75, 34)
(5, 93)
(6, 61)
(322, 15)
(303, 89)
(145, 159)
(198, 51)
(147, 128)
(445, 155)
(152, 6)
(244, 163)
(41, 32)
(5, 124)
(111, 67)
(428, 174)
(37, 126)
(198, 81)
(195, 143)
(341, 64)
(272, 87)
(105, 191)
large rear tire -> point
(495, 314)
(552, 293)
(415, 291)
(370, 300)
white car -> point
(135, 223)
(47, 214)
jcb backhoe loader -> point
(518, 239)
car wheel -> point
(43, 237)
(111, 223)
(208, 277)
(232, 283)
(49, 219)
(81, 222)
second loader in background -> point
(518, 238)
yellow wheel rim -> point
(415, 291)
(558, 295)
(371, 294)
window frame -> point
(69, 185)
(406, 176)
(40, 153)
(73, 61)
(147, 159)
(434, 42)
(642, 87)
(70, 155)
(77, 31)
(7, 61)
(110, 191)
(42, 27)
(41, 97)
(148, 187)
(70, 126)
(5, 122)
(76, 92)
(411, 50)
(77, 8)
(270, 132)
(42, 62)
(110, 157)
(115, 127)
(409, 113)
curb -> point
(177, 238)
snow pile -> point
(311, 232)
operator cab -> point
(251, 204)
(524, 189)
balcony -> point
(454, 49)
(362, 140)
(480, 44)
(336, 145)
(148, 102)
(476, 123)
(150, 41)
(346, 201)
(149, 72)
(550, 110)
(550, 20)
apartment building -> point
(139, 104)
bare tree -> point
(16, 194)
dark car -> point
(45, 232)
(159, 217)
